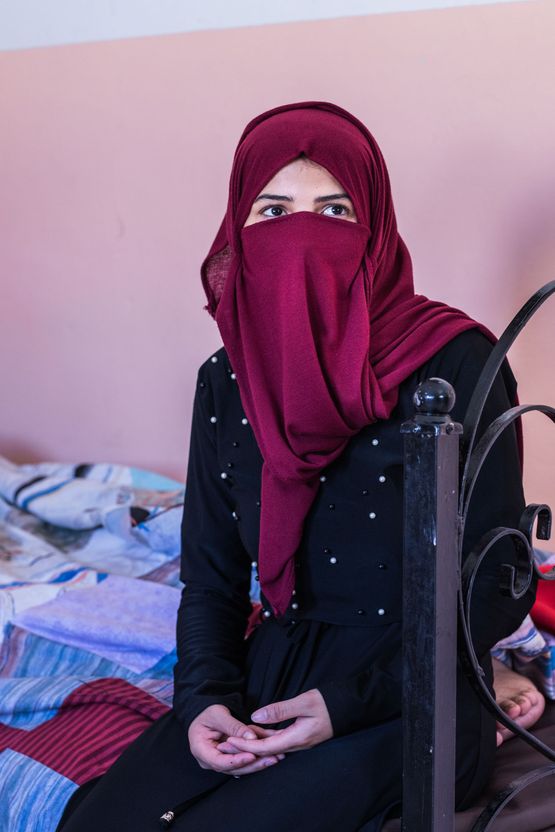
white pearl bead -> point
(214, 359)
(234, 515)
(223, 475)
(333, 560)
(323, 478)
(294, 606)
(233, 376)
(266, 613)
(254, 564)
(213, 420)
(381, 478)
(372, 515)
(381, 611)
(375, 442)
(244, 421)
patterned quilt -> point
(89, 591)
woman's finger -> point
(254, 730)
(261, 732)
(212, 758)
(258, 765)
(280, 711)
(309, 703)
(227, 725)
(288, 739)
(226, 748)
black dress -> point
(341, 633)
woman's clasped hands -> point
(220, 742)
(213, 728)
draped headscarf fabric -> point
(318, 315)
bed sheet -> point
(89, 589)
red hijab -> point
(318, 316)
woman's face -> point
(302, 185)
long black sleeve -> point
(498, 500)
(215, 568)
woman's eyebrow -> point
(283, 198)
(275, 197)
(331, 196)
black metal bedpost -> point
(430, 581)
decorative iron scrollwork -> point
(515, 579)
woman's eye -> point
(336, 211)
(273, 211)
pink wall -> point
(113, 167)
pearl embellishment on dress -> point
(213, 420)
(372, 515)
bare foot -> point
(518, 697)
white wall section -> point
(30, 23)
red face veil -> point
(318, 315)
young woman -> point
(296, 467)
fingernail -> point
(281, 756)
(270, 763)
(249, 735)
(261, 715)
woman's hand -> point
(212, 728)
(312, 725)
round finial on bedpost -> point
(434, 397)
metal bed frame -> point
(442, 462)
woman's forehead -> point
(302, 172)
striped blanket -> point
(89, 590)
